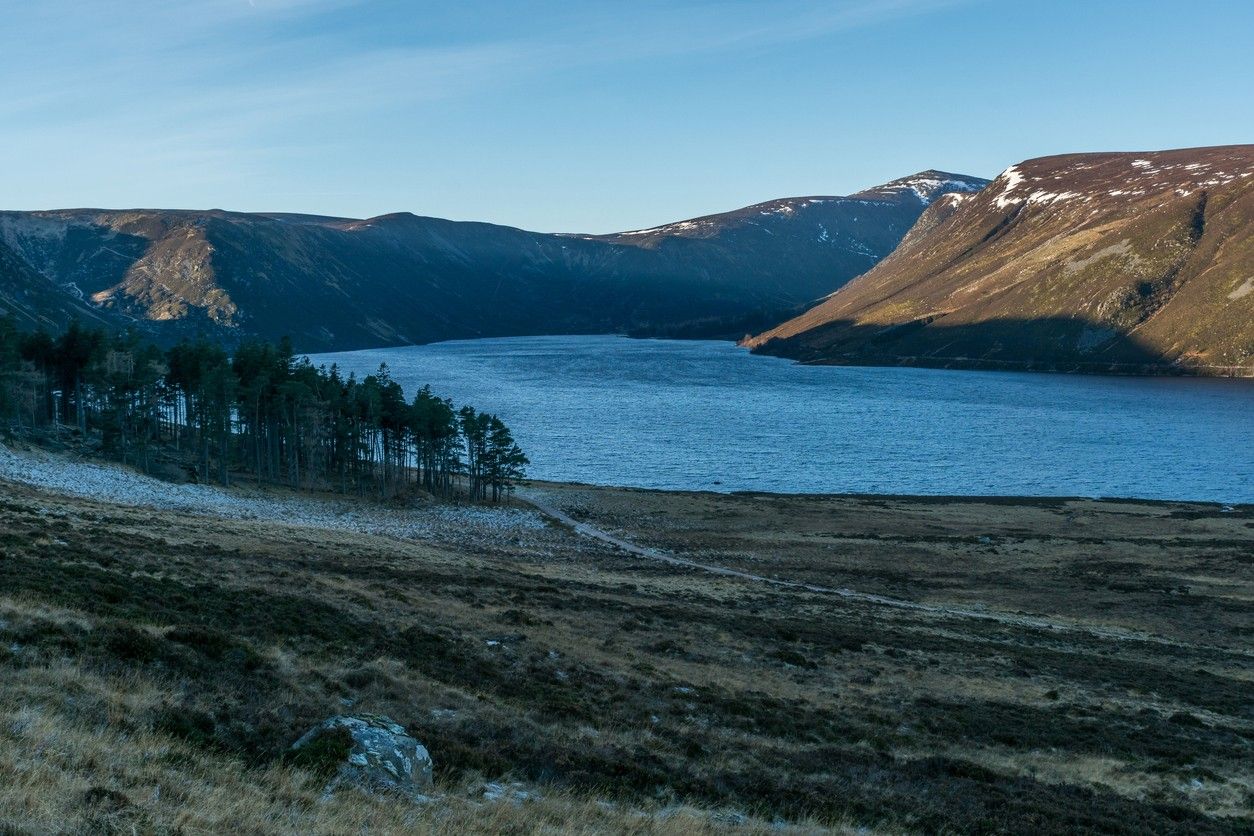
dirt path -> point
(588, 530)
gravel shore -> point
(109, 482)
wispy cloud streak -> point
(198, 89)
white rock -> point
(382, 756)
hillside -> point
(336, 283)
(919, 664)
(1099, 262)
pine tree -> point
(259, 411)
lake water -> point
(711, 416)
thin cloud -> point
(213, 53)
(708, 27)
(198, 91)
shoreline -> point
(1059, 367)
(920, 498)
(244, 489)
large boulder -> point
(369, 752)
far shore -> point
(1040, 366)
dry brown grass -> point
(82, 765)
(155, 667)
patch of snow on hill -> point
(1221, 179)
(927, 187)
(790, 206)
(666, 229)
(1013, 178)
(1053, 197)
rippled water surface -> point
(708, 415)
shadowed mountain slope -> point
(335, 283)
(1115, 261)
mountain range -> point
(1121, 262)
(339, 283)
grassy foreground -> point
(1078, 666)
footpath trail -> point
(537, 501)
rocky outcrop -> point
(367, 752)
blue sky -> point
(592, 116)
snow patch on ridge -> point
(1013, 178)
(928, 189)
(1053, 197)
(670, 229)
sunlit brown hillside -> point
(1120, 261)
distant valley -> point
(337, 283)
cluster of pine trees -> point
(260, 412)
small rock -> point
(374, 754)
(732, 818)
(513, 793)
